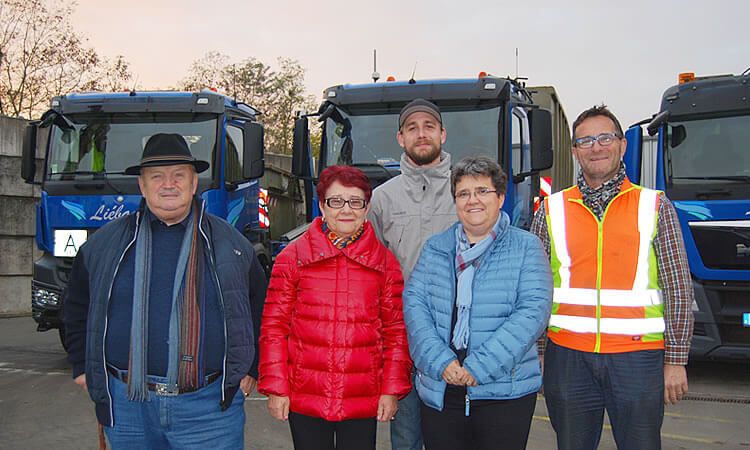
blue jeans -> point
(406, 426)
(191, 420)
(579, 386)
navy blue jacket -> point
(232, 261)
(511, 301)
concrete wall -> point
(17, 222)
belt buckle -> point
(162, 389)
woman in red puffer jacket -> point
(333, 351)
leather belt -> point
(161, 388)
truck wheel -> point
(61, 332)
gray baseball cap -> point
(419, 105)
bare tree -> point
(110, 75)
(41, 55)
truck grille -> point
(728, 301)
(723, 245)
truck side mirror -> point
(28, 157)
(658, 120)
(252, 156)
(540, 122)
(301, 148)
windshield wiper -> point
(88, 172)
(743, 178)
(100, 176)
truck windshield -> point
(371, 138)
(108, 144)
(709, 151)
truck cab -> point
(86, 141)
(701, 162)
(490, 116)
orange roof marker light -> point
(687, 77)
(482, 74)
(391, 78)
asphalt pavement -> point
(41, 408)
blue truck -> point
(491, 116)
(87, 140)
(701, 161)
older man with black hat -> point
(162, 314)
(408, 209)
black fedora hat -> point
(166, 150)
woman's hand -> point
(457, 375)
(387, 407)
(452, 373)
(278, 406)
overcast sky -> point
(624, 56)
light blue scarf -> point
(468, 259)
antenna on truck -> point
(516, 62)
(412, 80)
(375, 74)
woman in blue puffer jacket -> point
(475, 304)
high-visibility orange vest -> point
(607, 297)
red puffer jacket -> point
(332, 336)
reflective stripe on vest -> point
(611, 306)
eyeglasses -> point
(338, 203)
(604, 139)
(479, 192)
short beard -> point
(424, 158)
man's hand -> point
(675, 383)
(387, 407)
(278, 407)
(80, 380)
(247, 385)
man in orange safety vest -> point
(621, 323)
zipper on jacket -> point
(599, 244)
(221, 302)
(106, 318)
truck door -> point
(518, 198)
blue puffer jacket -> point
(242, 292)
(512, 297)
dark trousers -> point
(314, 433)
(491, 424)
(579, 386)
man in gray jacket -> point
(408, 209)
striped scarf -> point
(337, 241)
(184, 369)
